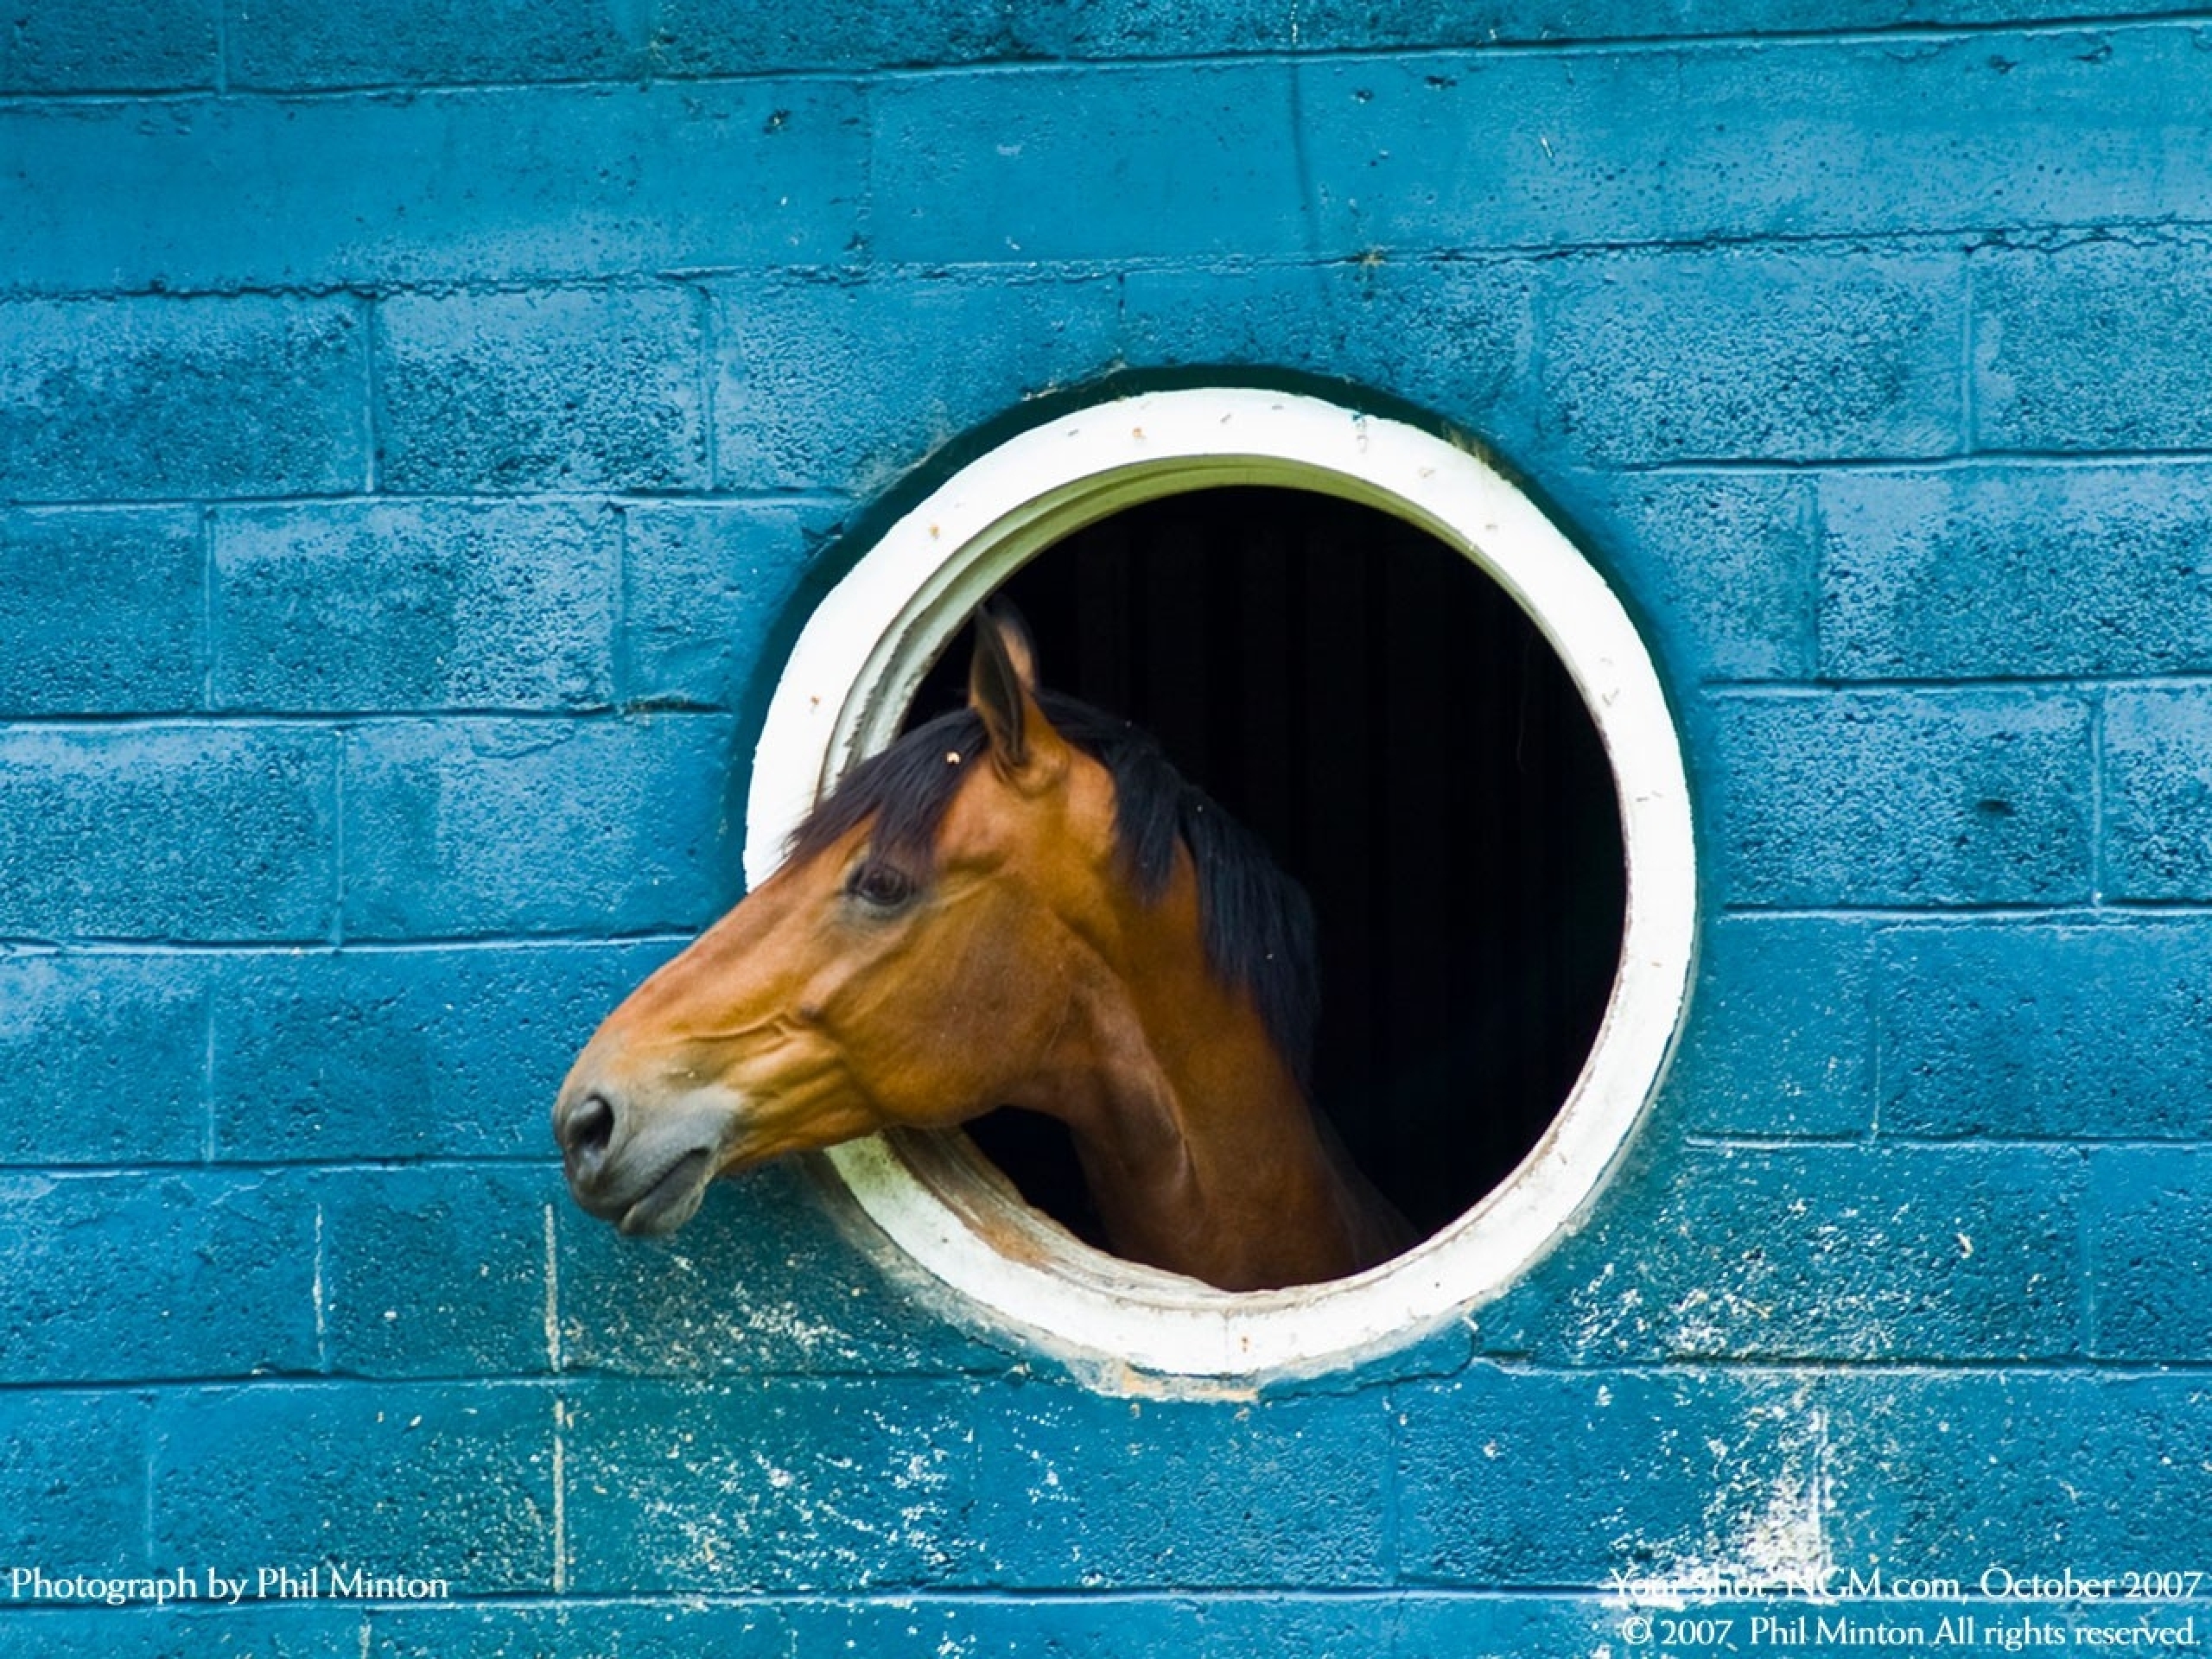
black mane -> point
(1256, 922)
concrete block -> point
(1781, 1037)
(60, 46)
(832, 1484)
(1095, 1476)
(762, 1282)
(489, 827)
(1218, 1624)
(1906, 799)
(871, 1482)
(1681, 142)
(1870, 1254)
(506, 185)
(642, 1627)
(295, 45)
(1166, 163)
(2156, 793)
(301, 1630)
(705, 590)
(1079, 1627)
(1740, 355)
(429, 1480)
(2014, 1031)
(2150, 1250)
(102, 611)
(1454, 335)
(1722, 566)
(1498, 1626)
(1527, 1479)
(167, 832)
(566, 389)
(1961, 574)
(825, 384)
(2063, 352)
(698, 37)
(1377, 24)
(438, 1272)
(113, 1048)
(119, 1278)
(72, 1483)
(154, 397)
(1947, 1474)
(1122, 30)
(402, 605)
(391, 1054)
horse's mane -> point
(1257, 924)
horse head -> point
(907, 964)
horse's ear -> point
(1001, 677)
(1002, 687)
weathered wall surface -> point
(418, 431)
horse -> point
(1020, 903)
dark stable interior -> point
(1408, 744)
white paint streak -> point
(552, 1294)
(321, 1312)
(1766, 1524)
(560, 1406)
(560, 1495)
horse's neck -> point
(1200, 1151)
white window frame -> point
(855, 667)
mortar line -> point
(207, 1140)
(2188, 1372)
(1969, 388)
(832, 500)
(862, 249)
(2098, 874)
(560, 1499)
(2085, 684)
(344, 721)
(1841, 240)
(1871, 1033)
(372, 328)
(344, 743)
(1392, 1491)
(1975, 460)
(619, 673)
(2051, 1143)
(2085, 1246)
(149, 1459)
(207, 607)
(321, 1301)
(290, 945)
(334, 1164)
(554, 1363)
(703, 305)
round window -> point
(1381, 656)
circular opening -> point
(1398, 732)
(1069, 490)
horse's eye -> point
(880, 885)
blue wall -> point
(418, 433)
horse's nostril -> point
(586, 1128)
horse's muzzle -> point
(646, 1173)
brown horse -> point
(1019, 903)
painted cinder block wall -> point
(419, 434)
